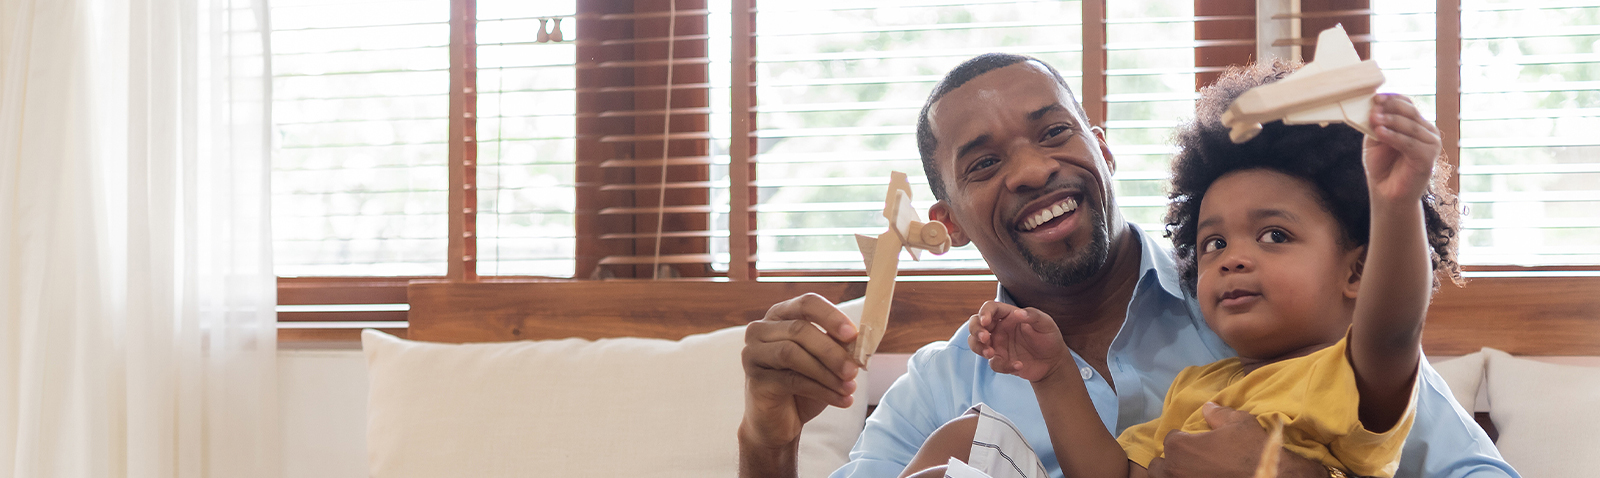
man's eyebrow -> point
(971, 145)
(1039, 113)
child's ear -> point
(1358, 263)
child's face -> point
(1273, 276)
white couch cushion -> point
(1464, 375)
(612, 407)
(1546, 414)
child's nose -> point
(1235, 263)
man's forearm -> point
(756, 461)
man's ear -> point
(1105, 148)
(1352, 286)
(940, 211)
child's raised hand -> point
(1021, 342)
(1399, 154)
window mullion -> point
(1447, 97)
(463, 196)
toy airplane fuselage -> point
(1335, 88)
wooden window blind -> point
(644, 140)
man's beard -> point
(1081, 264)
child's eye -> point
(1213, 245)
(1273, 237)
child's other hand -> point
(1021, 342)
(1400, 153)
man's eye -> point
(983, 163)
(1056, 132)
(1213, 245)
(1273, 237)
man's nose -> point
(1030, 169)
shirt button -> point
(1086, 372)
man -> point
(1019, 173)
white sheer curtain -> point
(136, 287)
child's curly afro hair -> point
(1328, 157)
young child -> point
(1317, 271)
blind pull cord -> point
(666, 136)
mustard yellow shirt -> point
(1314, 396)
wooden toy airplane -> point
(1336, 87)
(882, 255)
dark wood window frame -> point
(618, 171)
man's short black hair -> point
(1327, 157)
(958, 76)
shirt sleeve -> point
(1445, 442)
(1140, 443)
(918, 403)
(1368, 452)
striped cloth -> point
(998, 451)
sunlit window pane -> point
(360, 95)
(527, 142)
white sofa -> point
(671, 408)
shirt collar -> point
(1155, 259)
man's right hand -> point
(795, 365)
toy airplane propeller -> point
(882, 255)
(1335, 88)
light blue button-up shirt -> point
(1163, 333)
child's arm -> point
(1027, 343)
(1396, 283)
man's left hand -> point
(1231, 449)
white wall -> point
(323, 397)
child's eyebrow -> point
(1255, 215)
(1259, 214)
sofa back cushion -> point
(611, 407)
(1546, 414)
(1464, 376)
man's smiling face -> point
(1026, 179)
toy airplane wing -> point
(1336, 88)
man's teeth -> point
(1052, 212)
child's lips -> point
(1238, 299)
